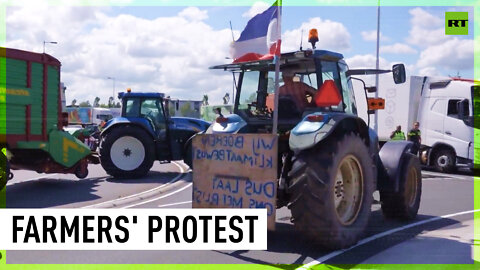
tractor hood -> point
(138, 121)
(229, 124)
(188, 123)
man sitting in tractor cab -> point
(296, 90)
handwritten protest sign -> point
(235, 171)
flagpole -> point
(277, 70)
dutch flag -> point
(261, 38)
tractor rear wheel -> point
(127, 152)
(331, 189)
(404, 204)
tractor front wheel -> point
(404, 204)
(330, 188)
(127, 152)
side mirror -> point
(398, 71)
(371, 89)
(462, 109)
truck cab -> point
(446, 111)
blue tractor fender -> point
(390, 163)
(188, 123)
(191, 125)
(318, 126)
(133, 121)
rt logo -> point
(456, 23)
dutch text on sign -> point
(235, 171)
(133, 229)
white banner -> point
(133, 229)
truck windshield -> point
(475, 101)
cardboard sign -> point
(235, 171)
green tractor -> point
(32, 121)
(330, 162)
(5, 173)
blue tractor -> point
(145, 132)
(330, 162)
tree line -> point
(96, 103)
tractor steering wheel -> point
(151, 118)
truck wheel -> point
(331, 189)
(444, 161)
(404, 204)
(127, 152)
(4, 171)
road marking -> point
(446, 178)
(182, 171)
(173, 204)
(159, 198)
(380, 235)
(442, 175)
(32, 179)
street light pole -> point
(377, 65)
(45, 42)
(113, 93)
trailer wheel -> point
(444, 161)
(330, 190)
(404, 204)
(127, 152)
(4, 171)
(82, 170)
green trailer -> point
(31, 118)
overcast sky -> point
(169, 49)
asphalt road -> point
(442, 233)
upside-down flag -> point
(261, 38)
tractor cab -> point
(311, 81)
(146, 108)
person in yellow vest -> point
(397, 134)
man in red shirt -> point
(296, 90)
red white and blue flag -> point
(261, 38)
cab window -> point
(347, 88)
(151, 109)
(132, 107)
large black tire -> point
(188, 155)
(116, 161)
(4, 171)
(317, 194)
(444, 161)
(404, 204)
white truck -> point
(444, 108)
